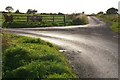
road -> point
(91, 50)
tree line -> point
(29, 11)
(110, 11)
(33, 11)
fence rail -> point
(46, 20)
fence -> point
(39, 20)
(61, 19)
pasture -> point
(20, 20)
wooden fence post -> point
(53, 18)
(64, 20)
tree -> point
(17, 11)
(112, 11)
(9, 8)
(30, 11)
(34, 11)
(83, 12)
(100, 12)
(60, 13)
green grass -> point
(0, 55)
(115, 27)
(20, 21)
(112, 20)
(25, 57)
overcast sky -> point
(64, 6)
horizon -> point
(62, 6)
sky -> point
(63, 6)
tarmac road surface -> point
(92, 50)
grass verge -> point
(29, 58)
(112, 20)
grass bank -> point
(112, 20)
(29, 58)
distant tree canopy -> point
(9, 8)
(112, 11)
(83, 12)
(34, 11)
(17, 11)
(100, 12)
(60, 13)
(30, 11)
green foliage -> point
(21, 24)
(30, 58)
(9, 8)
(20, 21)
(112, 20)
(30, 24)
(109, 18)
(112, 11)
(40, 70)
(115, 27)
(59, 76)
(80, 20)
(99, 13)
(15, 57)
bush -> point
(80, 20)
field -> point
(20, 20)
(29, 58)
(112, 20)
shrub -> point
(80, 20)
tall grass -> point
(112, 20)
(30, 58)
